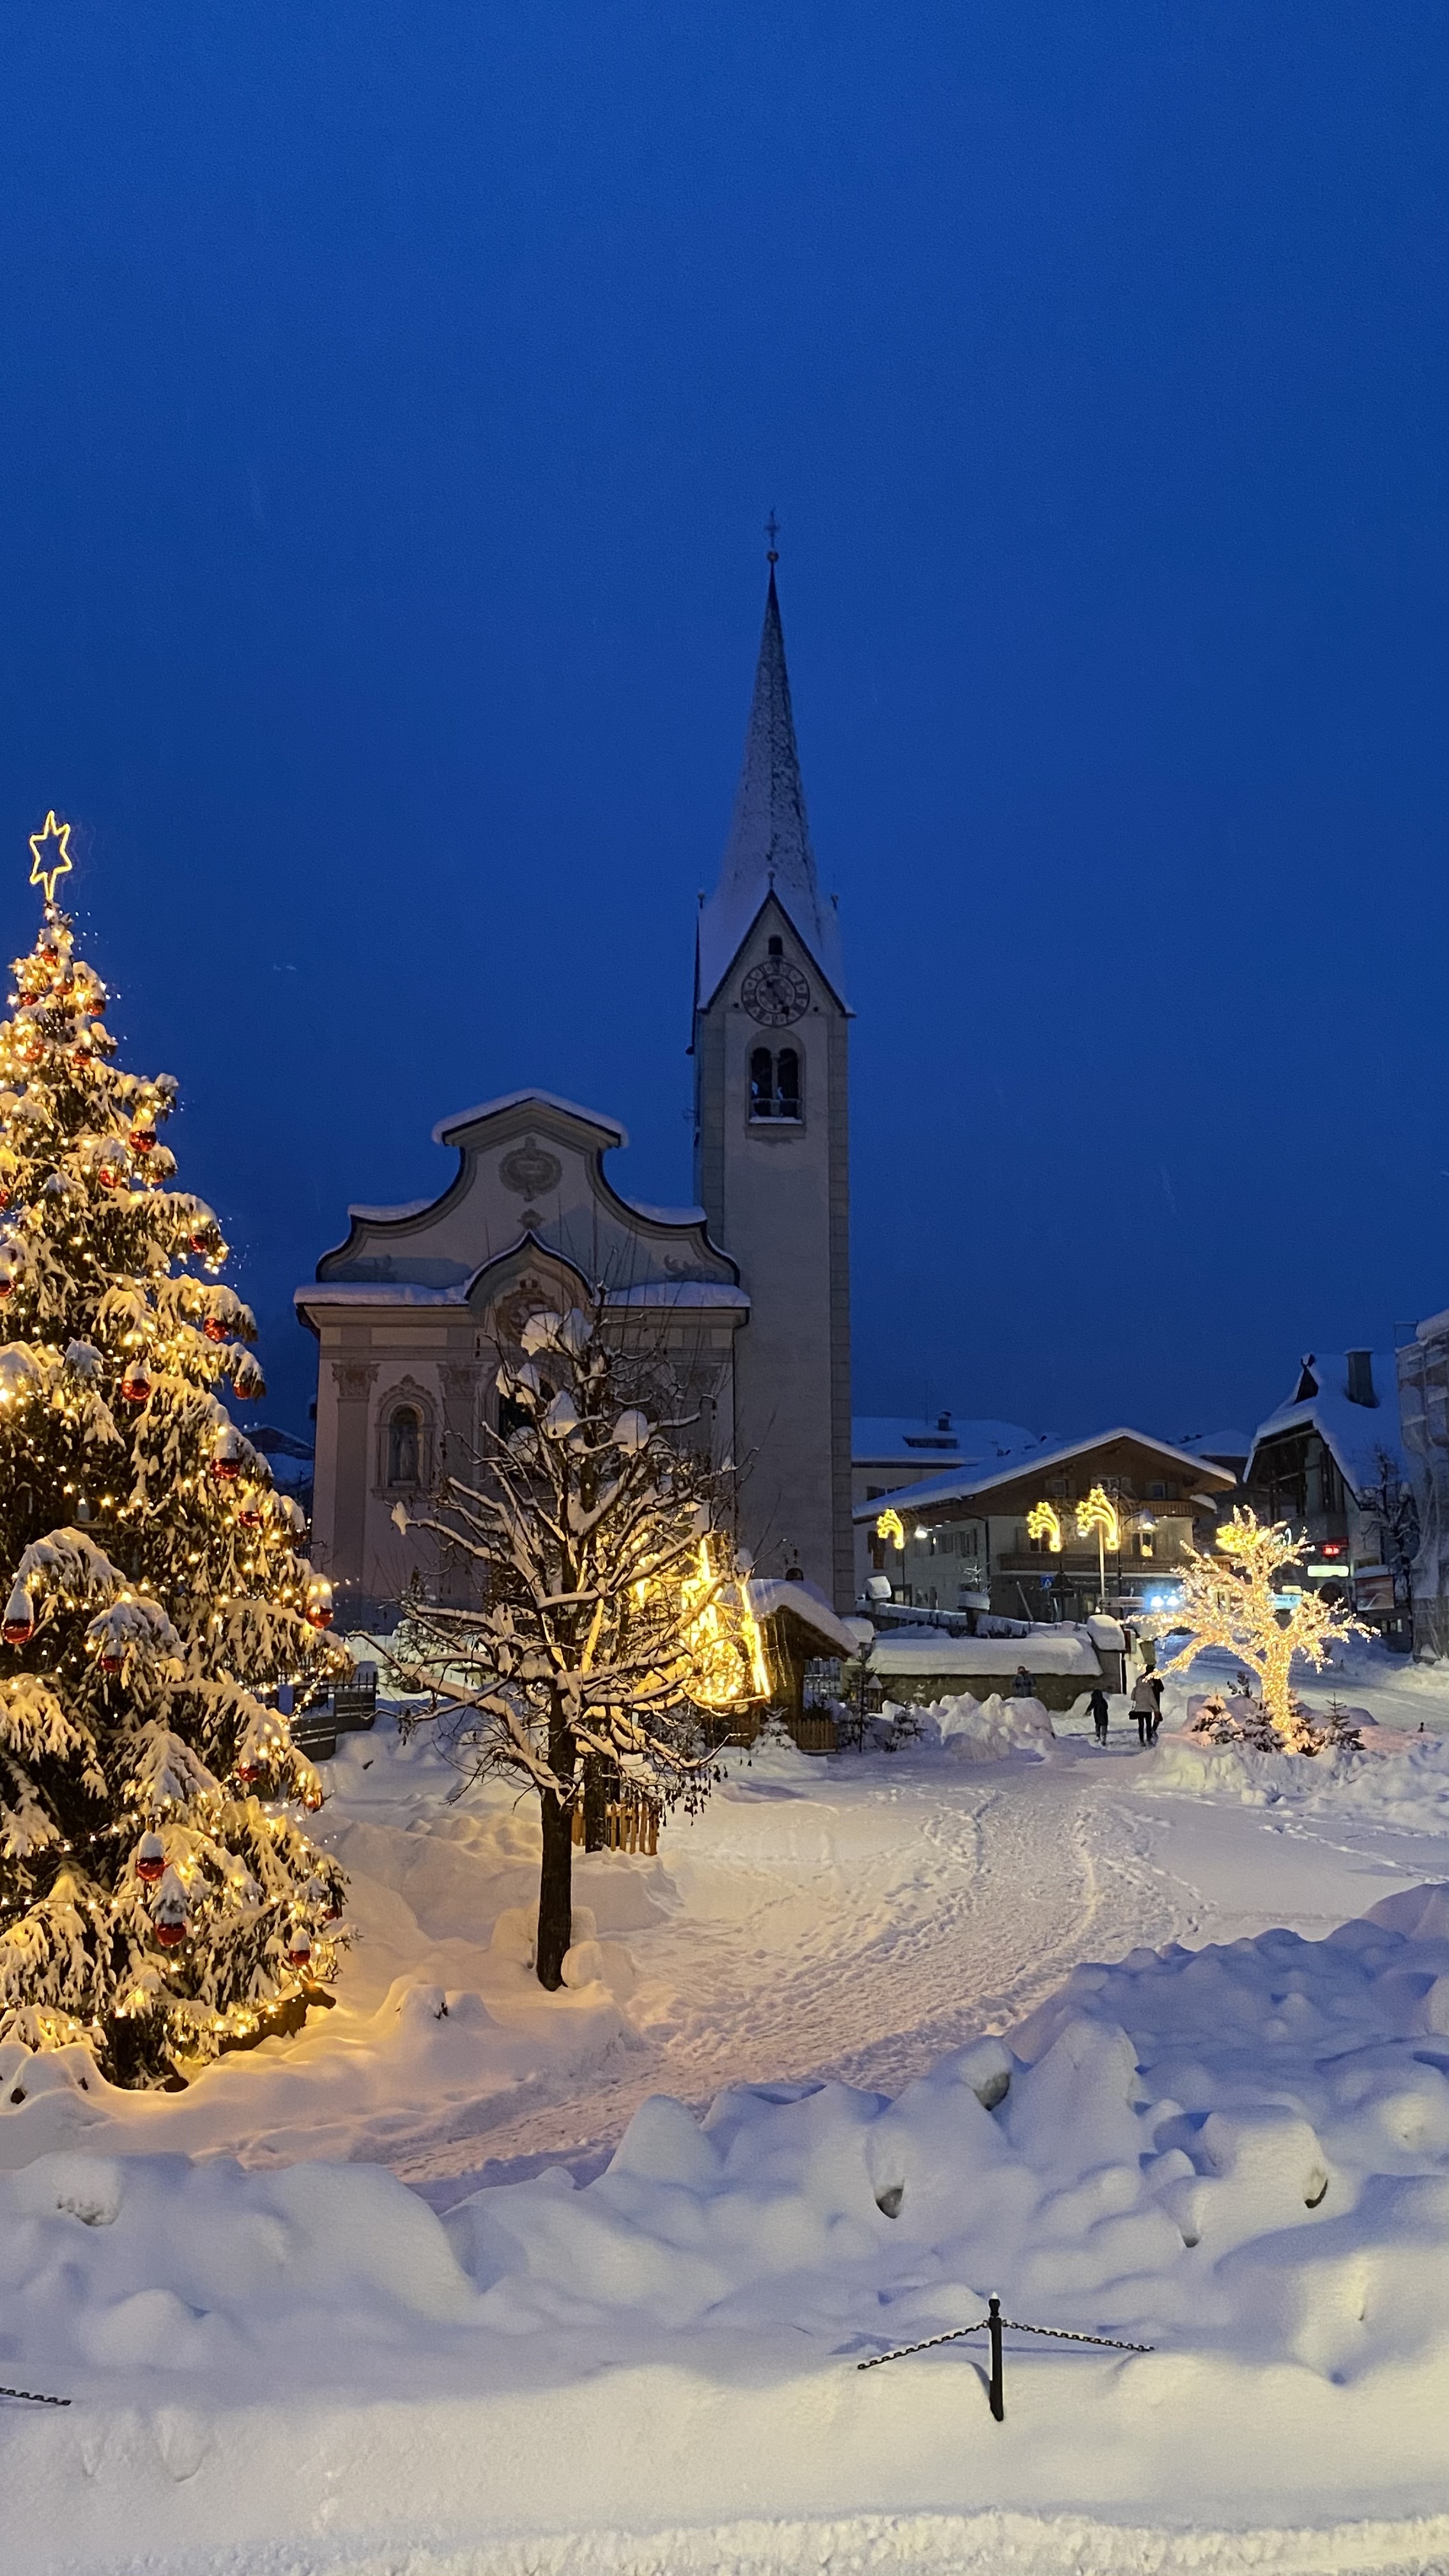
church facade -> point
(747, 1293)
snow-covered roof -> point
(1217, 1445)
(400, 1292)
(1057, 1650)
(1354, 1433)
(768, 850)
(769, 1594)
(389, 1215)
(448, 1130)
(899, 1440)
(960, 1485)
(666, 1215)
(375, 1292)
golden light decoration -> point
(1042, 1521)
(722, 1638)
(51, 857)
(1099, 1513)
(890, 1525)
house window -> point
(774, 1083)
(404, 1447)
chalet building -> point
(890, 1453)
(1328, 1461)
(747, 1290)
(978, 1537)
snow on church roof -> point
(768, 850)
(447, 1130)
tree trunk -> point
(555, 1891)
(596, 1799)
(556, 1877)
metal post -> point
(993, 2327)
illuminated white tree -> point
(612, 1618)
(158, 1894)
(1231, 1598)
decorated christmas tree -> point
(159, 1896)
(610, 1622)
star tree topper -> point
(51, 855)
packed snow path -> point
(852, 1924)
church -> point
(747, 1292)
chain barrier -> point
(995, 2324)
(32, 2398)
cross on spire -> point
(772, 530)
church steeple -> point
(768, 850)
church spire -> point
(768, 850)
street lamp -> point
(1099, 1513)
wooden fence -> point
(631, 1824)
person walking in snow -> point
(1154, 1684)
(1144, 1708)
(1023, 1687)
(1097, 1706)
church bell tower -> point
(772, 1164)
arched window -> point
(404, 1447)
(775, 1083)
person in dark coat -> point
(1154, 1684)
(1100, 1712)
(1023, 1687)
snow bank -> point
(1239, 2156)
(1394, 1780)
(989, 1730)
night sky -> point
(392, 399)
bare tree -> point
(1389, 1503)
(610, 1616)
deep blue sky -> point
(391, 401)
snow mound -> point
(1238, 2156)
(1393, 1779)
(989, 1730)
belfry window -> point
(404, 1447)
(775, 1084)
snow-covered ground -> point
(379, 2299)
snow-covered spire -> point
(768, 850)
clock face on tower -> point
(775, 994)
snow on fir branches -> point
(159, 1897)
(1232, 1598)
(604, 1618)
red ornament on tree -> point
(135, 1385)
(111, 1663)
(170, 1935)
(19, 1618)
(150, 1858)
(142, 1139)
(214, 1331)
(299, 1954)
